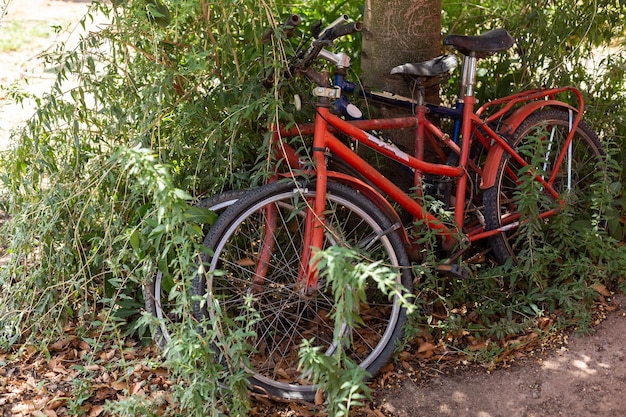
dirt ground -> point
(585, 376)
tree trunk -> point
(396, 32)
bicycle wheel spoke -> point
(288, 314)
(541, 141)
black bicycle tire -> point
(244, 209)
(217, 203)
(501, 244)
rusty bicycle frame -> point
(513, 109)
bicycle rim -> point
(287, 317)
(540, 138)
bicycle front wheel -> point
(155, 289)
(540, 139)
(288, 316)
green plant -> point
(134, 406)
(559, 263)
(81, 391)
(341, 380)
(213, 370)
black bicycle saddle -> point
(488, 43)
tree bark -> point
(396, 32)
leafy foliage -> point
(167, 104)
(557, 43)
(161, 106)
(108, 166)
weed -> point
(81, 392)
(341, 380)
(100, 182)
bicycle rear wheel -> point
(287, 316)
(155, 294)
(540, 139)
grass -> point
(14, 35)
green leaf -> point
(158, 12)
(135, 240)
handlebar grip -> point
(328, 36)
(344, 29)
(291, 23)
(288, 27)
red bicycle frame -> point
(326, 125)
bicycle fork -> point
(308, 276)
(313, 229)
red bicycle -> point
(263, 245)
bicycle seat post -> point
(472, 48)
(468, 77)
(420, 111)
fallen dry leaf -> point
(119, 385)
(319, 397)
(477, 346)
(82, 345)
(601, 289)
(96, 410)
(108, 355)
(425, 347)
(135, 388)
(301, 411)
(104, 392)
(56, 403)
(62, 343)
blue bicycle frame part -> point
(344, 106)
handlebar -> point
(341, 19)
(345, 29)
(288, 27)
(338, 28)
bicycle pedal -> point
(454, 271)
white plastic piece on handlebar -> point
(297, 102)
(341, 19)
(353, 111)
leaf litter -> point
(74, 377)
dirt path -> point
(586, 378)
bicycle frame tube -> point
(314, 219)
(391, 151)
(365, 169)
(466, 132)
(326, 124)
(268, 245)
